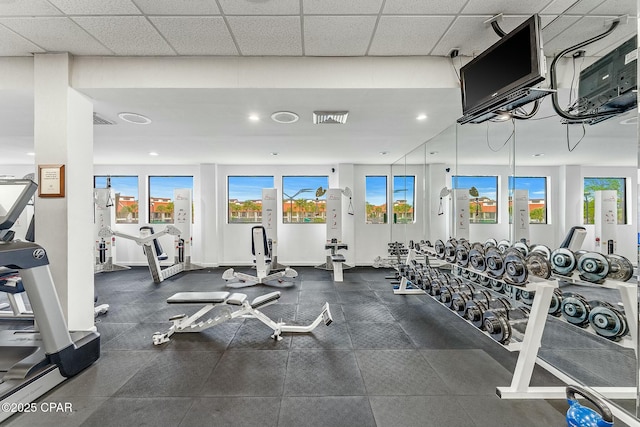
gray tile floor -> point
(387, 360)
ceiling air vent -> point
(330, 117)
(99, 120)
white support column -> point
(63, 134)
(209, 217)
(346, 179)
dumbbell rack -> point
(528, 348)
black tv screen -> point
(512, 63)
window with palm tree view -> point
(404, 196)
(591, 185)
(161, 196)
(537, 187)
(304, 199)
(125, 196)
(376, 199)
(244, 198)
(483, 197)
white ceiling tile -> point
(126, 35)
(260, 7)
(27, 8)
(617, 8)
(13, 45)
(337, 35)
(493, 7)
(267, 35)
(551, 28)
(408, 35)
(96, 7)
(572, 7)
(586, 28)
(178, 7)
(196, 35)
(56, 35)
(471, 36)
(422, 7)
(341, 7)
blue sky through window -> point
(486, 185)
(125, 185)
(248, 187)
(292, 184)
(537, 186)
(163, 186)
(404, 188)
(376, 189)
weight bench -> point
(260, 249)
(231, 306)
(11, 284)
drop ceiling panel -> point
(337, 35)
(178, 7)
(471, 36)
(619, 36)
(619, 7)
(341, 7)
(56, 35)
(96, 7)
(494, 7)
(126, 35)
(193, 35)
(408, 35)
(267, 35)
(421, 7)
(27, 8)
(252, 7)
(12, 44)
(581, 6)
(586, 28)
(552, 29)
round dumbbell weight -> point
(473, 276)
(575, 309)
(515, 269)
(490, 243)
(511, 291)
(460, 300)
(438, 248)
(563, 261)
(522, 248)
(496, 285)
(503, 245)
(436, 286)
(593, 267)
(462, 253)
(538, 265)
(484, 280)
(494, 262)
(555, 307)
(620, 268)
(526, 296)
(607, 320)
(447, 292)
(501, 326)
(450, 250)
(476, 258)
(475, 309)
(543, 249)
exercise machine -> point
(34, 362)
(606, 221)
(520, 211)
(148, 239)
(231, 306)
(336, 262)
(261, 251)
(11, 285)
(270, 224)
(105, 248)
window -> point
(591, 185)
(304, 199)
(376, 199)
(244, 198)
(125, 193)
(537, 187)
(161, 196)
(404, 199)
(483, 197)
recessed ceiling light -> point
(135, 118)
(538, 155)
(433, 152)
(254, 117)
(31, 153)
(384, 153)
(421, 117)
(285, 117)
(153, 153)
(274, 153)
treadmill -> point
(34, 362)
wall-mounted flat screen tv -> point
(512, 63)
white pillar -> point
(209, 217)
(346, 179)
(63, 134)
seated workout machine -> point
(336, 262)
(32, 362)
(225, 301)
(153, 250)
(260, 249)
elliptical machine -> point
(34, 362)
